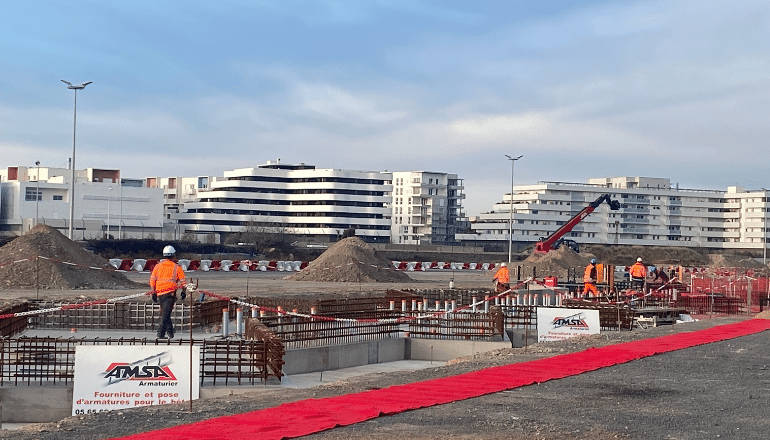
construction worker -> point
(502, 278)
(589, 280)
(638, 273)
(166, 278)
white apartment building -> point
(104, 203)
(314, 204)
(653, 212)
(426, 208)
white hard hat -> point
(639, 260)
(169, 251)
(503, 264)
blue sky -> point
(581, 89)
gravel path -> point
(719, 390)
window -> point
(58, 198)
(32, 195)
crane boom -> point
(545, 246)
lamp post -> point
(37, 192)
(510, 222)
(74, 129)
(109, 191)
(764, 227)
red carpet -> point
(314, 415)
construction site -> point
(261, 323)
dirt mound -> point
(350, 260)
(556, 262)
(51, 272)
(734, 261)
(657, 255)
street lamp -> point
(74, 128)
(510, 223)
(108, 212)
(37, 192)
(764, 228)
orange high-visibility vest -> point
(589, 276)
(638, 270)
(503, 275)
(166, 277)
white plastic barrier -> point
(288, 266)
(440, 265)
(262, 265)
(296, 265)
(472, 266)
(410, 266)
(484, 266)
(279, 266)
(205, 265)
(426, 265)
(116, 262)
(184, 263)
(225, 265)
(395, 264)
(244, 266)
(138, 264)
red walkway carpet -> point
(315, 415)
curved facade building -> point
(317, 204)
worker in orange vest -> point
(589, 280)
(166, 278)
(638, 273)
(502, 278)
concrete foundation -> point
(35, 404)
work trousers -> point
(166, 306)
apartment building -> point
(653, 212)
(105, 203)
(315, 205)
(426, 208)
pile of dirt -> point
(556, 262)
(350, 260)
(734, 261)
(657, 255)
(51, 272)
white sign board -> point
(110, 377)
(555, 324)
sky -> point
(580, 89)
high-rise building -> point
(426, 208)
(653, 212)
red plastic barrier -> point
(126, 265)
(150, 264)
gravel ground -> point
(719, 390)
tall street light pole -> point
(109, 192)
(37, 192)
(74, 129)
(764, 227)
(510, 222)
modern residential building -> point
(105, 203)
(314, 205)
(653, 212)
(426, 208)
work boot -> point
(171, 334)
(161, 336)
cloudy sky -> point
(581, 89)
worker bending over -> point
(502, 278)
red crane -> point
(554, 240)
